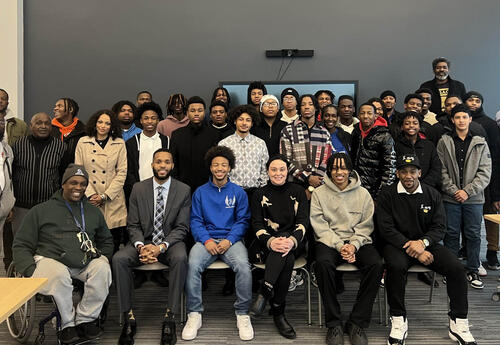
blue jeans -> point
(237, 258)
(471, 215)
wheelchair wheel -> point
(21, 322)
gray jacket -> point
(477, 169)
(7, 199)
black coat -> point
(455, 88)
(189, 145)
(427, 156)
(133, 147)
(270, 134)
(374, 158)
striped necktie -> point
(158, 219)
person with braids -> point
(66, 126)
(176, 115)
(280, 216)
(103, 154)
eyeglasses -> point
(270, 104)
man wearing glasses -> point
(67, 238)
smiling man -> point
(442, 85)
(66, 126)
(219, 219)
(411, 221)
(342, 219)
(67, 238)
(157, 222)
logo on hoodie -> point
(425, 209)
(230, 202)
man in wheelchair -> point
(67, 238)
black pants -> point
(278, 273)
(397, 263)
(8, 239)
(120, 235)
(369, 263)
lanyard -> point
(80, 226)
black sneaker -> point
(335, 336)
(475, 280)
(356, 334)
(68, 335)
(492, 260)
(462, 253)
(89, 330)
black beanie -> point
(290, 91)
(475, 94)
(387, 93)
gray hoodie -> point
(342, 215)
(477, 169)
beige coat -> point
(107, 169)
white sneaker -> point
(193, 324)
(475, 280)
(293, 282)
(399, 330)
(244, 327)
(459, 331)
(482, 271)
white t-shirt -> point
(147, 146)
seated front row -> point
(410, 219)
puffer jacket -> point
(374, 158)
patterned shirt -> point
(251, 158)
(306, 149)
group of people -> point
(375, 188)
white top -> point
(349, 128)
(147, 146)
(402, 190)
(2, 161)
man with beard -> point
(218, 117)
(126, 113)
(442, 85)
(189, 145)
(143, 97)
(346, 113)
(474, 101)
(176, 115)
(388, 97)
(411, 221)
(372, 151)
(39, 162)
(14, 128)
(141, 147)
(157, 222)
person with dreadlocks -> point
(176, 115)
(66, 125)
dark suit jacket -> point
(141, 212)
(133, 146)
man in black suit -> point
(157, 223)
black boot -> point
(281, 323)
(168, 334)
(128, 330)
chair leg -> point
(183, 308)
(432, 286)
(379, 306)
(308, 294)
(320, 312)
(386, 308)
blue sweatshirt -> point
(219, 213)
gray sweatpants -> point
(96, 277)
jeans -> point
(237, 259)
(471, 215)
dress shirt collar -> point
(402, 190)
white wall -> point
(11, 56)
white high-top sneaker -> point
(459, 331)
(244, 327)
(193, 324)
(399, 330)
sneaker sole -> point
(477, 287)
(456, 338)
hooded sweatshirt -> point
(49, 230)
(338, 215)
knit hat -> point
(267, 97)
(290, 91)
(74, 170)
(407, 159)
(387, 93)
(473, 94)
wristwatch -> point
(103, 197)
(163, 248)
(310, 189)
(425, 242)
